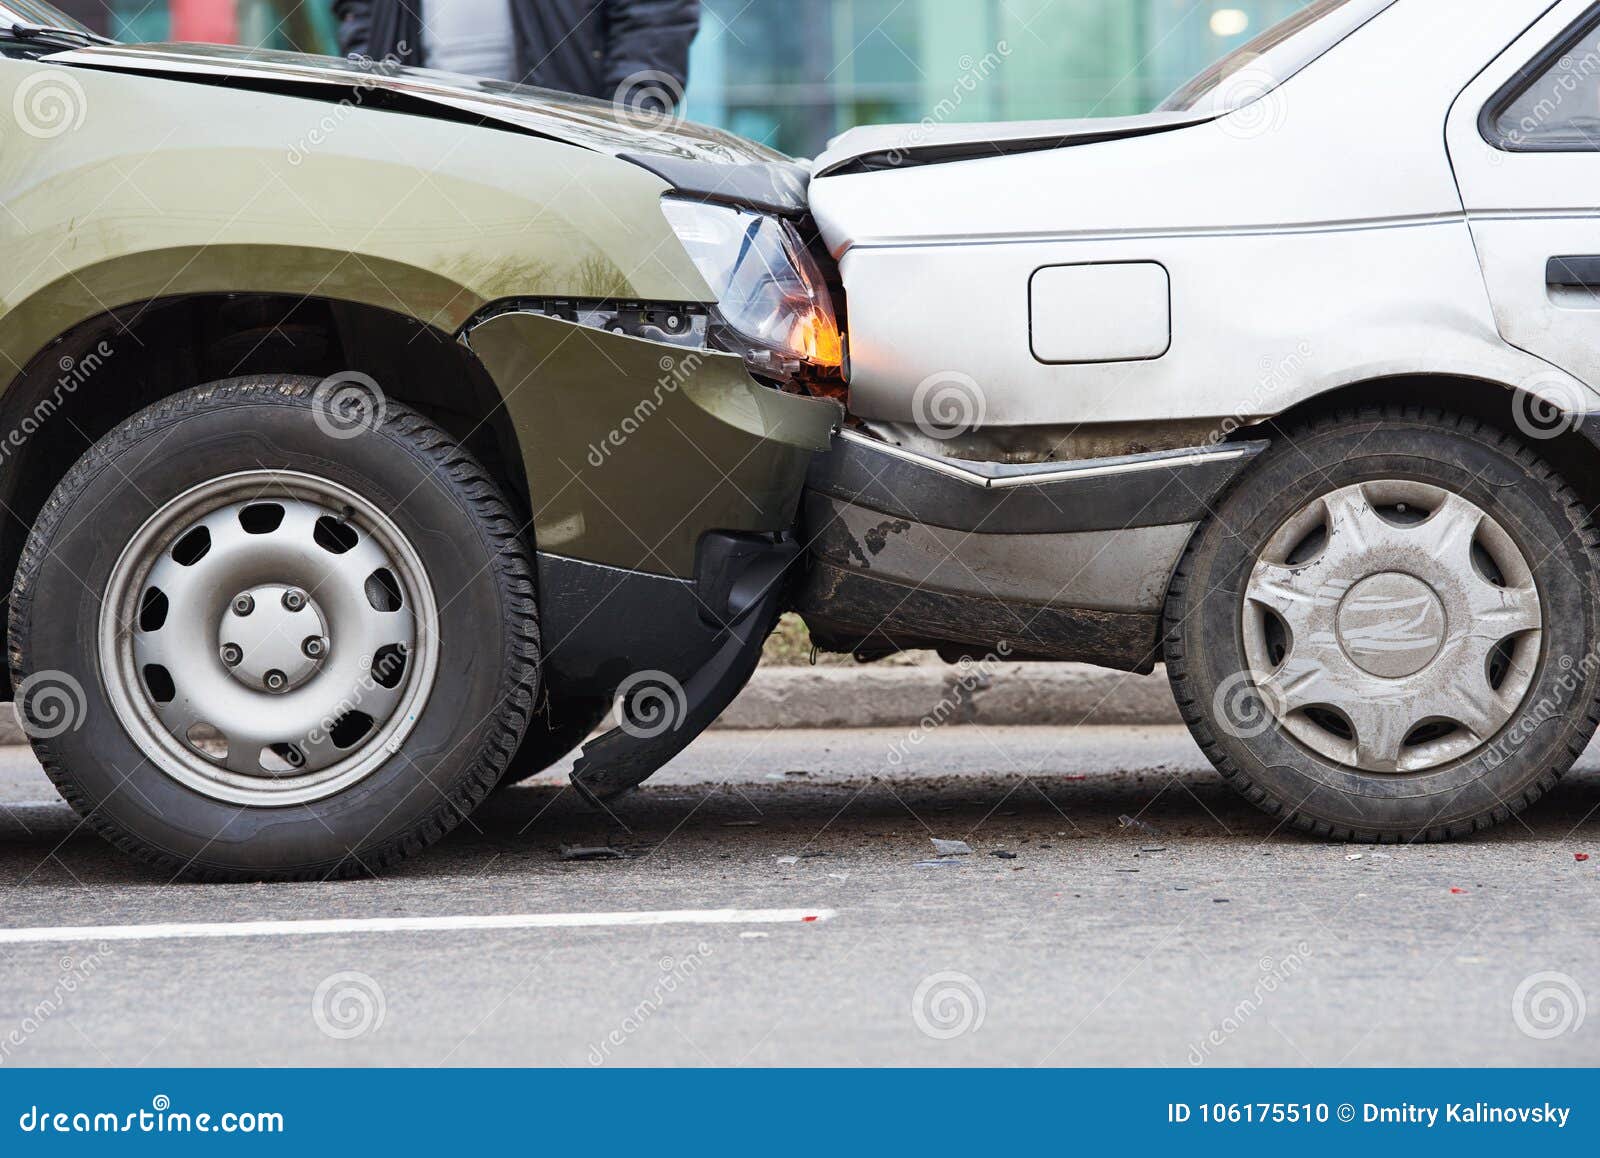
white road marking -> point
(322, 927)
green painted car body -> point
(148, 174)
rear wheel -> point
(1387, 631)
(290, 644)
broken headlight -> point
(771, 298)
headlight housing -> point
(770, 293)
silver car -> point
(1284, 385)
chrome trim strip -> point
(1171, 460)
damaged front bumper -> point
(665, 484)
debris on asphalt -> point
(951, 847)
(940, 863)
(1127, 870)
(1152, 848)
(751, 935)
(1221, 901)
(1580, 856)
(1003, 854)
(812, 853)
(1352, 856)
(788, 860)
(594, 852)
(1134, 822)
(1453, 889)
(740, 823)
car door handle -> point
(1580, 271)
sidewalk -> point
(869, 696)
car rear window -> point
(1553, 105)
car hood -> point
(591, 124)
(876, 147)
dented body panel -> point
(634, 449)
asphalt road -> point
(1198, 934)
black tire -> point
(475, 561)
(1204, 647)
(556, 730)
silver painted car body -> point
(1331, 215)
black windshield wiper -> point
(69, 35)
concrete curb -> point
(905, 697)
(910, 697)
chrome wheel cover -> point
(1392, 626)
(268, 638)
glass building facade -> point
(794, 72)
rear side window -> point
(1553, 105)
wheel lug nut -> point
(232, 654)
(275, 680)
(314, 647)
(294, 599)
(244, 605)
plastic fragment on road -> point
(1004, 854)
(1134, 822)
(751, 935)
(951, 847)
(788, 860)
(939, 863)
(1580, 856)
(596, 852)
(1453, 889)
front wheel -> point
(1388, 629)
(256, 636)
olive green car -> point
(370, 431)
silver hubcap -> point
(1392, 626)
(269, 638)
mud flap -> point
(748, 589)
